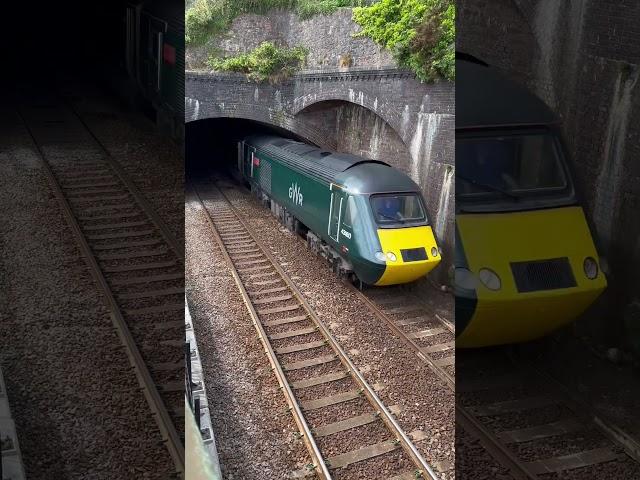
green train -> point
(526, 262)
(154, 59)
(365, 217)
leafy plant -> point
(199, 21)
(420, 33)
(266, 62)
(309, 8)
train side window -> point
(351, 213)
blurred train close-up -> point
(525, 258)
(366, 218)
(154, 60)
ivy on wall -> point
(266, 62)
(420, 33)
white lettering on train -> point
(295, 194)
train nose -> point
(409, 253)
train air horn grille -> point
(413, 254)
(543, 275)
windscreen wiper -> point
(387, 216)
(488, 186)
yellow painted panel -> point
(494, 241)
(393, 240)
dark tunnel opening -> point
(211, 145)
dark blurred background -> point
(582, 57)
(41, 37)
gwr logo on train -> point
(295, 194)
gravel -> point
(77, 405)
(473, 462)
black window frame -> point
(399, 223)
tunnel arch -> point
(258, 113)
(358, 130)
(362, 99)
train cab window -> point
(510, 165)
(398, 209)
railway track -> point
(347, 430)
(488, 404)
(431, 337)
(134, 260)
(534, 421)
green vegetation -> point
(207, 18)
(420, 33)
(309, 8)
(266, 62)
(200, 22)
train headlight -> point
(590, 268)
(380, 256)
(434, 252)
(465, 279)
(391, 256)
(489, 279)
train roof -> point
(356, 173)
(487, 98)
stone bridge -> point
(383, 114)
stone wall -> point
(583, 58)
(328, 38)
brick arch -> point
(258, 113)
(358, 130)
(386, 112)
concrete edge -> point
(11, 458)
(200, 392)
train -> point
(366, 218)
(154, 60)
(525, 258)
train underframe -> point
(340, 265)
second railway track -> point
(133, 259)
(348, 431)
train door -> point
(335, 212)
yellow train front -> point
(525, 260)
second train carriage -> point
(367, 218)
